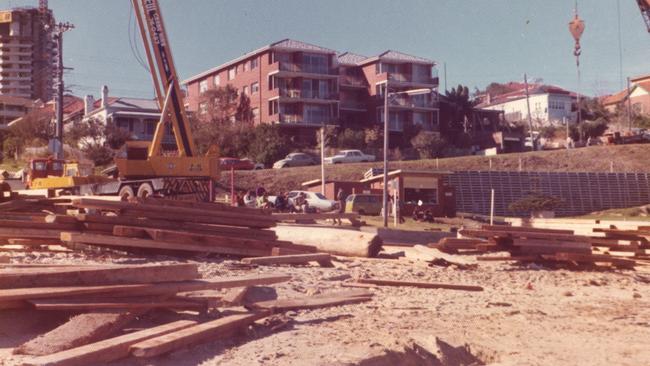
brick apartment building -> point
(302, 86)
(27, 53)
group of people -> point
(423, 215)
(259, 198)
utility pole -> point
(385, 190)
(629, 106)
(530, 120)
(58, 31)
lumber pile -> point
(540, 245)
(107, 298)
(150, 226)
(312, 217)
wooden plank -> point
(33, 242)
(22, 224)
(324, 259)
(203, 205)
(29, 234)
(139, 289)
(92, 276)
(203, 219)
(122, 304)
(314, 302)
(107, 350)
(78, 331)
(314, 216)
(179, 212)
(383, 282)
(174, 236)
(113, 241)
(506, 228)
(212, 330)
(176, 225)
(61, 219)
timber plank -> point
(212, 330)
(114, 241)
(22, 224)
(121, 304)
(29, 234)
(112, 275)
(383, 282)
(321, 258)
(107, 350)
(314, 302)
(176, 211)
(163, 288)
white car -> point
(349, 156)
(314, 199)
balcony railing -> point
(413, 102)
(351, 80)
(306, 68)
(405, 78)
(307, 94)
(297, 119)
(353, 104)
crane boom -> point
(163, 71)
(644, 6)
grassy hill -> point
(626, 158)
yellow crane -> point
(183, 171)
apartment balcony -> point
(405, 80)
(292, 69)
(413, 103)
(347, 81)
(299, 96)
(297, 120)
(353, 105)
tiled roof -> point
(284, 44)
(399, 56)
(9, 99)
(349, 58)
(299, 45)
(614, 98)
(645, 85)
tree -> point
(244, 113)
(269, 144)
(429, 144)
(351, 139)
(374, 137)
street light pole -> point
(385, 191)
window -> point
(245, 90)
(420, 118)
(256, 114)
(427, 196)
(203, 86)
(246, 66)
(255, 87)
(203, 108)
(316, 113)
(217, 80)
(253, 63)
(149, 127)
(231, 73)
(315, 63)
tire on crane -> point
(126, 193)
(145, 190)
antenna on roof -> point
(42, 6)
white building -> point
(548, 105)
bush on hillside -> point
(269, 144)
(351, 139)
(535, 202)
(429, 144)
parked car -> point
(364, 204)
(294, 159)
(349, 156)
(315, 200)
(236, 164)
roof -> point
(533, 89)
(396, 56)
(615, 98)
(349, 58)
(416, 173)
(131, 105)
(285, 44)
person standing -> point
(340, 197)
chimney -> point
(489, 98)
(89, 104)
(104, 96)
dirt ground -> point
(527, 315)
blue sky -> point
(480, 41)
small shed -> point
(332, 187)
(412, 187)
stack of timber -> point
(312, 217)
(107, 298)
(535, 245)
(154, 225)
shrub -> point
(351, 139)
(269, 144)
(98, 153)
(535, 202)
(429, 144)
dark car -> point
(236, 164)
